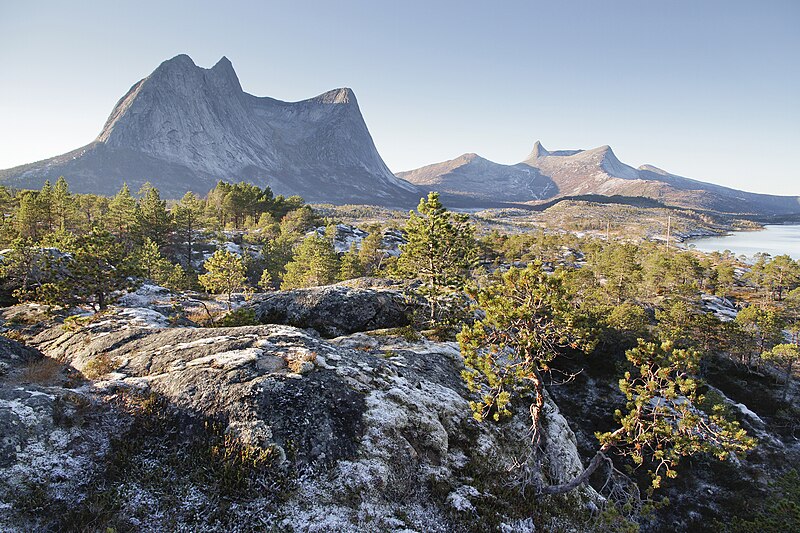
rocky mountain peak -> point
(654, 169)
(223, 74)
(469, 157)
(601, 153)
(343, 95)
(538, 151)
(179, 61)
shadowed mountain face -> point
(185, 127)
(547, 175)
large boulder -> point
(368, 433)
(335, 310)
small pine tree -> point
(121, 216)
(45, 205)
(23, 268)
(351, 266)
(187, 216)
(99, 266)
(175, 279)
(225, 273)
(152, 218)
(64, 207)
(157, 268)
(315, 263)
(149, 259)
(266, 282)
(371, 255)
(440, 251)
(28, 217)
(785, 356)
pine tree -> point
(150, 260)
(764, 326)
(277, 253)
(92, 209)
(121, 215)
(8, 231)
(225, 273)
(99, 266)
(531, 313)
(187, 215)
(441, 249)
(781, 274)
(351, 266)
(785, 356)
(266, 282)
(298, 221)
(44, 202)
(153, 219)
(527, 317)
(28, 217)
(22, 268)
(315, 263)
(371, 253)
(158, 269)
(618, 266)
(64, 206)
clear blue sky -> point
(705, 89)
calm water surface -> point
(774, 240)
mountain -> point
(473, 177)
(587, 172)
(184, 127)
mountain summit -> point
(184, 127)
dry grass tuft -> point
(100, 366)
(298, 362)
(44, 371)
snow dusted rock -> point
(375, 433)
(52, 438)
(346, 236)
(334, 310)
(146, 295)
(393, 240)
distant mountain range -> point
(545, 175)
(184, 127)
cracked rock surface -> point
(373, 432)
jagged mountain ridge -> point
(184, 127)
(588, 172)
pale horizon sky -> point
(708, 90)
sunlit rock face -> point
(365, 432)
(183, 127)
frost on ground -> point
(362, 432)
(146, 295)
(52, 440)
